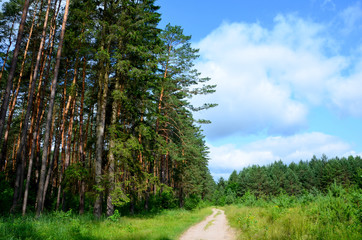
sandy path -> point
(214, 227)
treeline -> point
(314, 176)
(95, 110)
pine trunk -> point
(19, 157)
(15, 95)
(101, 118)
(40, 192)
(81, 142)
(111, 160)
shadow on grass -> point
(15, 229)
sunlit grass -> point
(325, 217)
(166, 225)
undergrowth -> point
(335, 215)
(168, 224)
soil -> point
(214, 227)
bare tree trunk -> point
(68, 149)
(50, 169)
(111, 161)
(19, 159)
(51, 166)
(81, 142)
(101, 118)
(50, 114)
(100, 144)
(101, 115)
(9, 84)
(15, 95)
(35, 136)
(62, 134)
(15, 149)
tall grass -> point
(336, 215)
(59, 225)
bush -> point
(168, 200)
(6, 195)
(335, 215)
(284, 201)
(230, 197)
(248, 199)
(115, 217)
(192, 202)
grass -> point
(169, 224)
(209, 224)
(333, 216)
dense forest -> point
(95, 109)
(307, 177)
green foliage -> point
(73, 174)
(115, 217)
(63, 215)
(230, 197)
(119, 196)
(192, 202)
(335, 215)
(143, 148)
(168, 200)
(168, 224)
(248, 199)
(284, 201)
(6, 194)
(276, 182)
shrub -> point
(168, 200)
(6, 194)
(192, 202)
(248, 199)
(115, 217)
(230, 197)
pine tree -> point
(9, 84)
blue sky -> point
(289, 75)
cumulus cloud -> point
(270, 79)
(346, 95)
(226, 158)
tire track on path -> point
(214, 227)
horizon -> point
(287, 78)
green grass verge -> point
(322, 217)
(169, 224)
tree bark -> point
(50, 114)
(19, 157)
(100, 143)
(111, 160)
(50, 168)
(81, 142)
(101, 114)
(35, 135)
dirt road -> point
(214, 227)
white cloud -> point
(226, 158)
(350, 17)
(328, 5)
(346, 95)
(269, 79)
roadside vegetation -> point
(168, 224)
(316, 199)
(335, 215)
